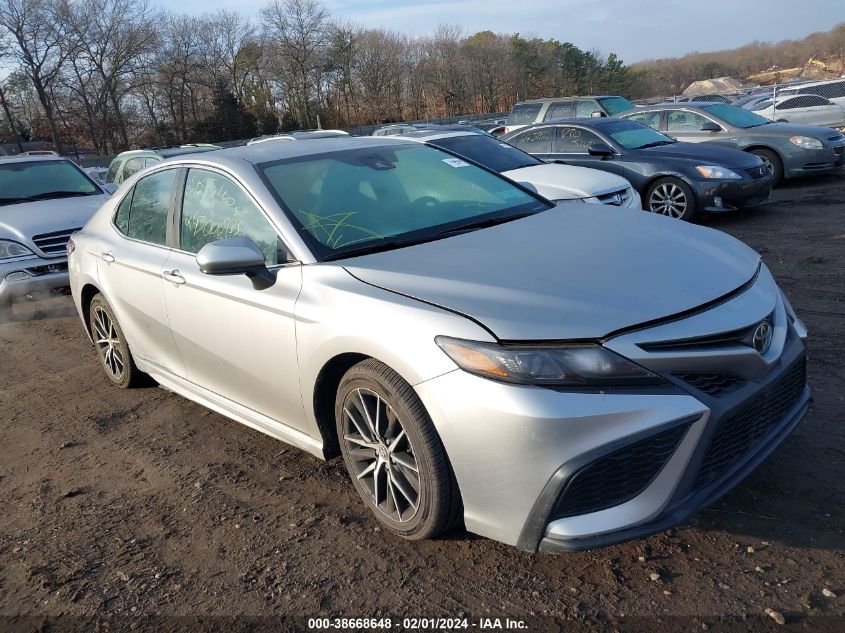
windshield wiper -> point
(655, 144)
(53, 194)
(480, 224)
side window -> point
(584, 108)
(121, 217)
(132, 167)
(651, 119)
(816, 101)
(573, 140)
(151, 160)
(110, 175)
(537, 141)
(524, 114)
(682, 121)
(558, 110)
(148, 209)
(215, 208)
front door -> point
(686, 125)
(571, 145)
(236, 341)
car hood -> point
(558, 182)
(785, 130)
(21, 221)
(567, 273)
(704, 154)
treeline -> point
(663, 77)
(112, 74)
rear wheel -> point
(112, 350)
(671, 197)
(393, 453)
(772, 161)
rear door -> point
(131, 260)
(537, 141)
(559, 110)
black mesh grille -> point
(757, 172)
(54, 243)
(618, 476)
(712, 383)
(739, 432)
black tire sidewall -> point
(129, 373)
(774, 159)
(362, 377)
(690, 213)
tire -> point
(773, 161)
(671, 197)
(382, 465)
(118, 364)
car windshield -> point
(738, 117)
(615, 105)
(377, 198)
(27, 181)
(487, 151)
(633, 135)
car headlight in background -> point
(806, 142)
(584, 365)
(714, 171)
(9, 249)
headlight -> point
(714, 171)
(9, 249)
(806, 142)
(585, 365)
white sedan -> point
(804, 109)
(554, 181)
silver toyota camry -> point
(553, 377)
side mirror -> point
(236, 256)
(600, 149)
(110, 187)
(709, 126)
(597, 114)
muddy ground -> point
(129, 504)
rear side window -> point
(559, 110)
(152, 160)
(121, 218)
(112, 171)
(651, 119)
(149, 206)
(524, 114)
(132, 167)
(537, 141)
(584, 109)
(813, 100)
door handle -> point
(173, 276)
(107, 257)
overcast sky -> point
(634, 29)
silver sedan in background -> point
(551, 376)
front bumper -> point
(830, 159)
(716, 196)
(32, 276)
(516, 450)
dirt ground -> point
(129, 505)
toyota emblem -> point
(762, 338)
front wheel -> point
(772, 162)
(671, 197)
(393, 453)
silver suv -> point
(43, 200)
(548, 109)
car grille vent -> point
(616, 198)
(54, 243)
(743, 336)
(739, 432)
(712, 383)
(757, 172)
(618, 476)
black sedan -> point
(675, 179)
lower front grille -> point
(618, 476)
(615, 198)
(712, 383)
(54, 243)
(739, 432)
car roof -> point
(682, 105)
(567, 98)
(167, 152)
(432, 135)
(32, 158)
(258, 153)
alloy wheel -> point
(108, 344)
(668, 199)
(381, 454)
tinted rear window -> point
(488, 152)
(524, 114)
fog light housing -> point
(18, 275)
(717, 201)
